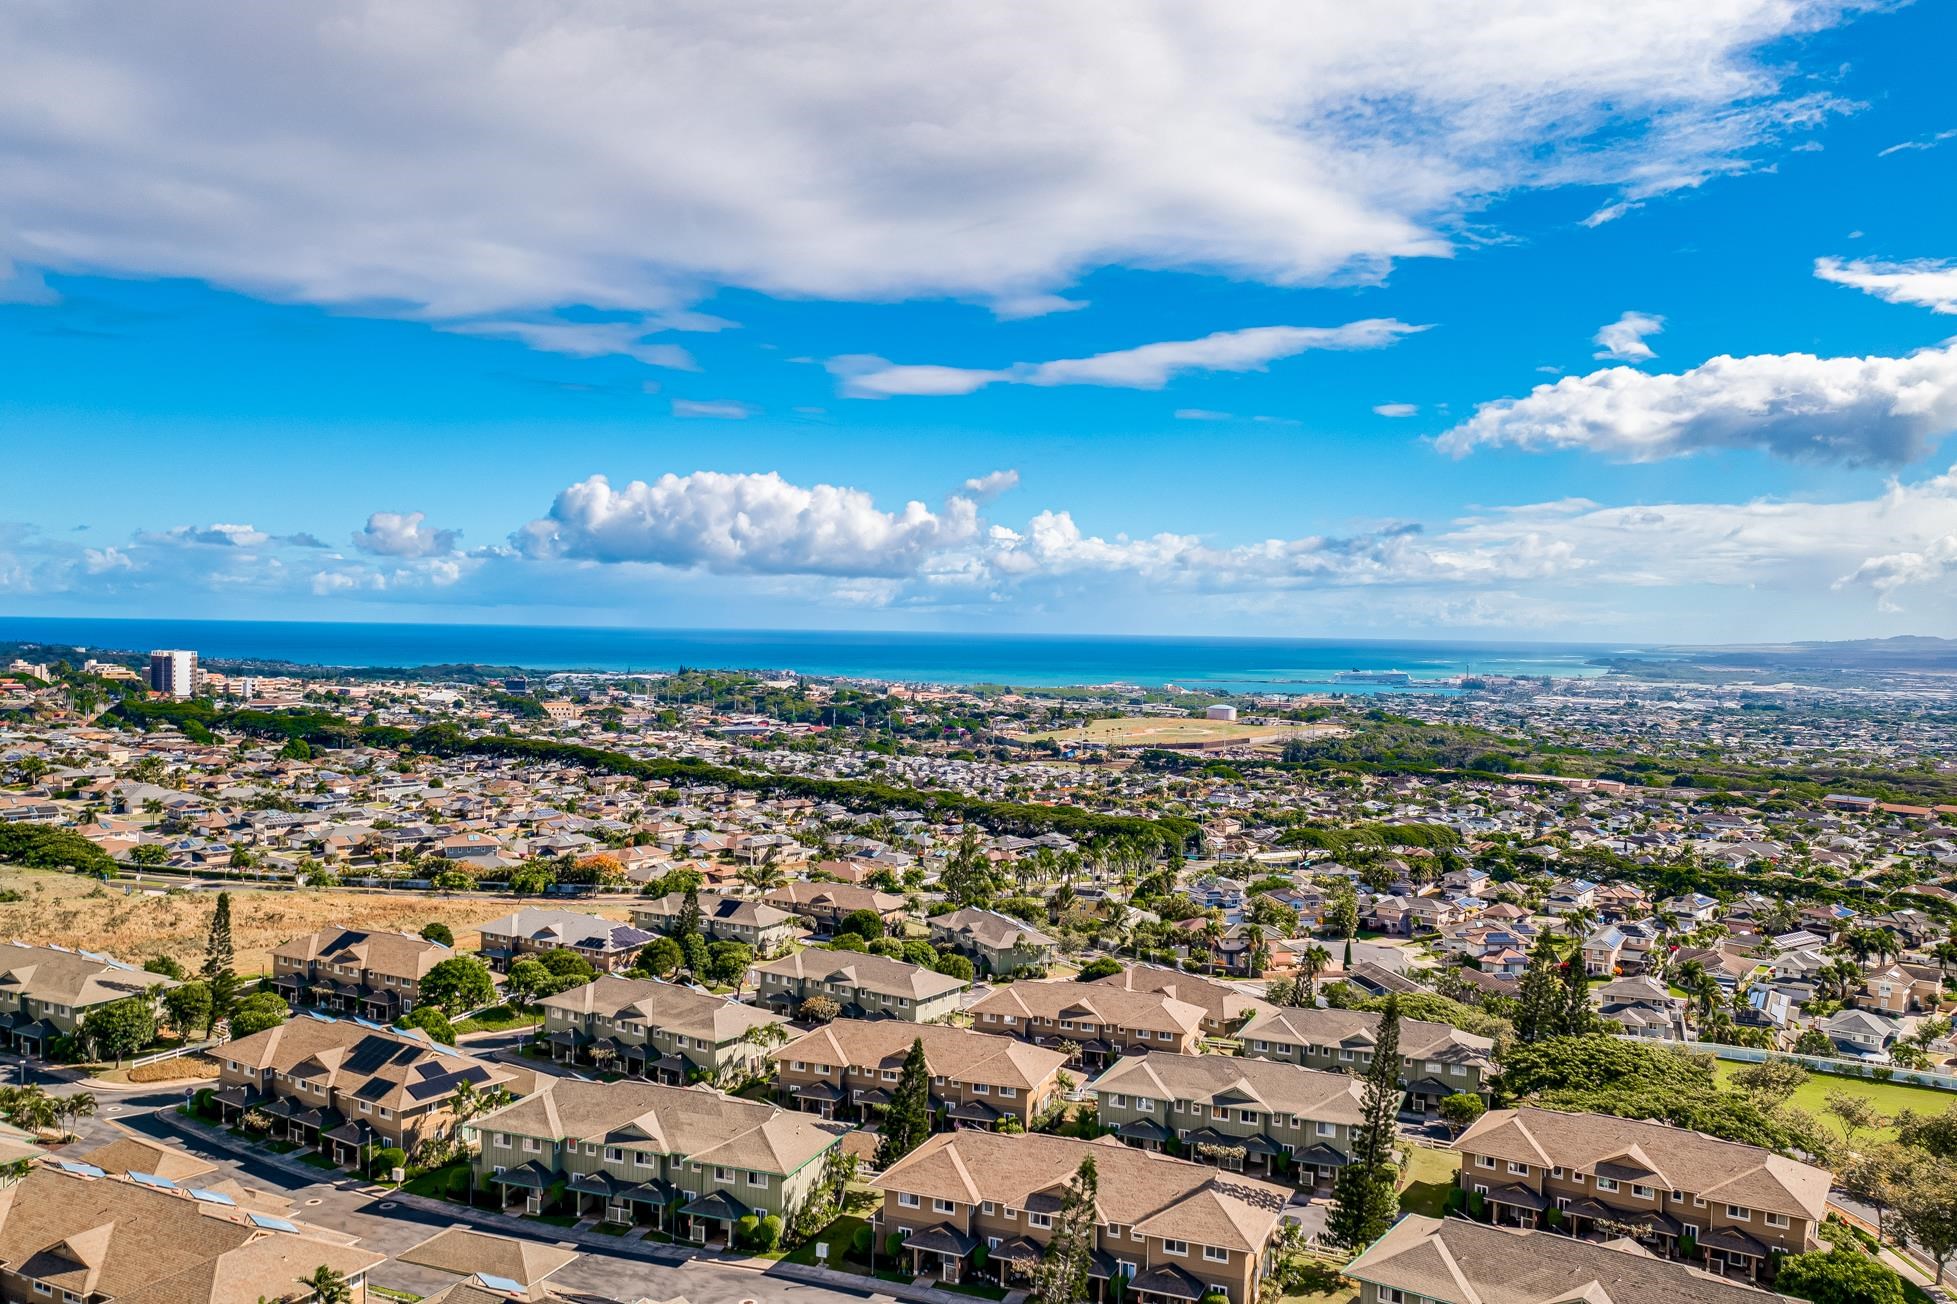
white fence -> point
(1844, 1068)
(162, 1055)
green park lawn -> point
(1888, 1098)
(1430, 1176)
(497, 1018)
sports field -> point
(1158, 732)
(1887, 1097)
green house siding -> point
(782, 1194)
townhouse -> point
(345, 1085)
(1224, 1005)
(1259, 1116)
(1660, 1185)
(864, 986)
(828, 904)
(608, 945)
(1453, 1261)
(46, 991)
(1438, 1060)
(849, 1068)
(74, 1233)
(1171, 1230)
(659, 1030)
(376, 975)
(997, 944)
(1102, 1022)
(723, 918)
(686, 1160)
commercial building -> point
(173, 671)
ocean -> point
(1236, 665)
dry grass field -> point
(134, 922)
(1151, 731)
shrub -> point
(859, 1242)
(386, 1159)
(768, 1236)
(744, 1229)
(893, 1245)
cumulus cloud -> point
(1623, 339)
(753, 523)
(1895, 570)
(720, 408)
(1870, 411)
(1396, 409)
(401, 534)
(1924, 282)
(1148, 366)
(984, 488)
(590, 339)
(210, 536)
(469, 164)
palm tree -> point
(327, 1286)
(1212, 936)
(1313, 961)
(1258, 956)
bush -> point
(893, 1245)
(744, 1230)
(767, 1237)
(385, 1160)
(859, 1242)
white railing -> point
(190, 1049)
(1830, 1064)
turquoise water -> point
(1238, 665)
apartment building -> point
(1224, 1005)
(46, 991)
(1172, 1230)
(722, 919)
(345, 970)
(659, 1030)
(76, 1234)
(343, 1084)
(865, 986)
(828, 904)
(1104, 1022)
(849, 1068)
(686, 1160)
(609, 945)
(1258, 1116)
(1433, 1261)
(1438, 1060)
(1658, 1184)
(996, 943)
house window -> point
(1606, 1184)
(1114, 1231)
(1246, 1116)
(503, 1140)
(1144, 1104)
(530, 1145)
(1776, 1220)
(1738, 1214)
(906, 1200)
(641, 1159)
(944, 1206)
(1039, 1220)
(1011, 1212)
(1520, 1170)
(1178, 1248)
(42, 1288)
(757, 1179)
(1328, 1129)
(722, 1174)
(1641, 1192)
(986, 1208)
(981, 1089)
(1214, 1255)
(1005, 1093)
(1486, 1161)
(1557, 1171)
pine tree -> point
(1575, 1012)
(1060, 1277)
(1365, 1196)
(219, 957)
(907, 1122)
(690, 916)
(1539, 1005)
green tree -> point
(967, 878)
(220, 957)
(166, 966)
(1365, 1196)
(1060, 1276)
(439, 933)
(257, 1012)
(189, 1007)
(820, 1009)
(120, 1028)
(148, 855)
(1927, 1209)
(866, 924)
(1341, 914)
(662, 957)
(1538, 1004)
(1840, 1276)
(327, 1286)
(907, 1123)
(458, 984)
(1104, 967)
(431, 1021)
(529, 982)
(688, 923)
(727, 962)
(1460, 1110)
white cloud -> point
(1895, 570)
(984, 488)
(400, 534)
(744, 523)
(464, 163)
(1148, 366)
(1923, 282)
(1623, 339)
(589, 339)
(1020, 307)
(1853, 411)
(1396, 409)
(219, 535)
(1201, 414)
(720, 408)
(1923, 142)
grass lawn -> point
(836, 1236)
(315, 1159)
(982, 1289)
(1888, 1098)
(433, 1183)
(612, 1229)
(1430, 1176)
(497, 1018)
(281, 1147)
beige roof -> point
(667, 1007)
(844, 897)
(1225, 1081)
(1358, 1030)
(1165, 1197)
(872, 973)
(398, 955)
(992, 930)
(76, 979)
(1221, 1002)
(713, 906)
(396, 1069)
(1462, 1262)
(109, 1236)
(695, 1122)
(466, 1252)
(959, 1054)
(1654, 1154)
(128, 1154)
(1064, 999)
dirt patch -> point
(134, 922)
(173, 1070)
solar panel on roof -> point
(365, 1024)
(323, 1018)
(269, 1223)
(152, 1180)
(80, 1170)
(211, 1197)
(503, 1284)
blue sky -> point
(943, 322)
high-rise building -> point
(174, 672)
